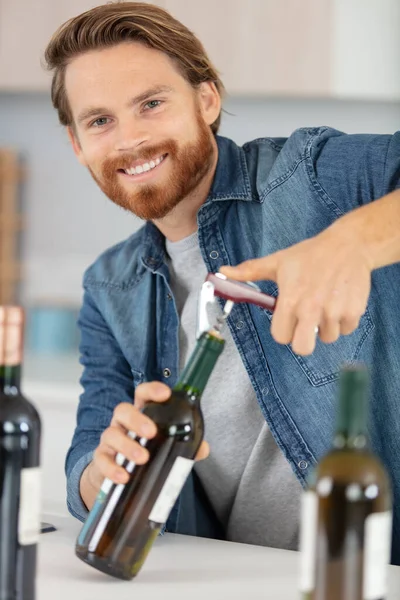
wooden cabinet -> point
(26, 27)
(300, 48)
(263, 47)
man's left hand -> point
(324, 282)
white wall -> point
(69, 221)
(365, 48)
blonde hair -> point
(111, 24)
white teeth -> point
(145, 167)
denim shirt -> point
(266, 195)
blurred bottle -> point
(19, 467)
(346, 522)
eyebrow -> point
(153, 91)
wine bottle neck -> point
(11, 347)
(351, 426)
(200, 365)
(10, 379)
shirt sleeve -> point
(75, 504)
(107, 381)
(391, 177)
(353, 170)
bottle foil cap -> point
(11, 335)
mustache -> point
(151, 153)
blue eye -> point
(99, 122)
(153, 103)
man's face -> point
(139, 127)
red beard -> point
(152, 201)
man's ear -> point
(73, 138)
(210, 101)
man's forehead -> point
(119, 59)
(119, 70)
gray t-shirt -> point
(250, 484)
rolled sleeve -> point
(75, 504)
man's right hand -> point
(114, 439)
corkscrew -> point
(217, 284)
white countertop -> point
(178, 567)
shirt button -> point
(214, 254)
(166, 372)
(239, 325)
(303, 464)
(169, 297)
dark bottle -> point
(19, 467)
(126, 518)
(346, 520)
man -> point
(142, 102)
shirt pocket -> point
(324, 364)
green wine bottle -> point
(126, 518)
(20, 433)
(346, 518)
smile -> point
(143, 168)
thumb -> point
(253, 270)
(203, 451)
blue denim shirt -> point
(266, 195)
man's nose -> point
(131, 135)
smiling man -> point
(142, 104)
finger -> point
(348, 325)
(106, 466)
(284, 320)
(116, 440)
(154, 391)
(329, 327)
(352, 314)
(129, 417)
(305, 336)
(253, 270)
(329, 331)
(203, 451)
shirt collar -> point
(231, 182)
(231, 179)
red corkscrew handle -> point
(229, 289)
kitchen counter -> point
(178, 567)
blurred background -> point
(285, 64)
